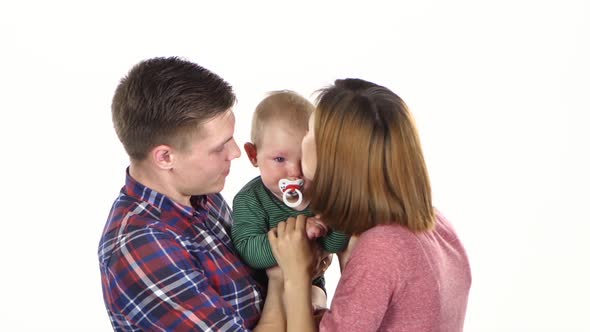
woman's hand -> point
(273, 316)
(292, 249)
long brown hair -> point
(370, 167)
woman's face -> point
(308, 151)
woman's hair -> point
(370, 169)
(164, 101)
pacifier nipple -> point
(290, 189)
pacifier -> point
(290, 189)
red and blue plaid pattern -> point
(169, 267)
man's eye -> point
(279, 159)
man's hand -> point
(317, 316)
(319, 299)
(323, 260)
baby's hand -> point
(315, 228)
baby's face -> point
(279, 155)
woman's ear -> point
(252, 153)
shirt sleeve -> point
(158, 286)
(334, 242)
(364, 291)
(249, 232)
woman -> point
(408, 271)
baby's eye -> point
(279, 159)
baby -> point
(278, 126)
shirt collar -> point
(162, 202)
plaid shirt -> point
(169, 267)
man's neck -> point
(159, 181)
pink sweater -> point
(396, 280)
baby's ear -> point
(251, 152)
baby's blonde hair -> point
(283, 105)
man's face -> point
(203, 167)
(279, 155)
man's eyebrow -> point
(224, 142)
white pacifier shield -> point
(284, 183)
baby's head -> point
(278, 126)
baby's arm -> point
(249, 232)
(331, 241)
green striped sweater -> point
(256, 210)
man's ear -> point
(163, 157)
(251, 152)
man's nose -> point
(234, 150)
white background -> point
(499, 89)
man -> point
(166, 259)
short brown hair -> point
(370, 168)
(163, 101)
(283, 105)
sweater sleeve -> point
(364, 291)
(249, 232)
